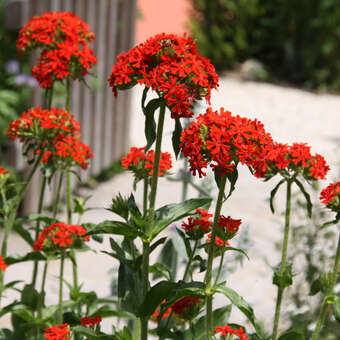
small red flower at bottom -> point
(225, 330)
(88, 321)
(2, 170)
(57, 332)
(3, 265)
(331, 196)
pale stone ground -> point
(291, 115)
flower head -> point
(196, 227)
(227, 227)
(3, 264)
(91, 321)
(170, 65)
(59, 236)
(330, 196)
(63, 39)
(223, 140)
(225, 330)
(141, 163)
(59, 332)
(293, 159)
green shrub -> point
(298, 41)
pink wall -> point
(168, 16)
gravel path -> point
(291, 115)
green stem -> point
(192, 330)
(137, 329)
(208, 276)
(68, 94)
(50, 97)
(37, 226)
(12, 216)
(192, 254)
(145, 196)
(57, 200)
(41, 299)
(185, 181)
(146, 244)
(329, 293)
(283, 260)
(61, 277)
(219, 269)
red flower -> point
(164, 315)
(59, 332)
(197, 227)
(228, 227)
(186, 308)
(225, 330)
(88, 321)
(170, 65)
(223, 140)
(218, 241)
(331, 196)
(292, 159)
(3, 265)
(60, 235)
(3, 171)
(141, 164)
(64, 39)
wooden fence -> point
(104, 119)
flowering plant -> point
(181, 309)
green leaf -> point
(307, 197)
(292, 336)
(232, 177)
(170, 291)
(30, 296)
(161, 270)
(9, 308)
(15, 258)
(90, 333)
(150, 124)
(114, 228)
(315, 287)
(170, 213)
(154, 245)
(176, 136)
(19, 229)
(336, 308)
(239, 250)
(119, 206)
(108, 311)
(273, 193)
(220, 317)
(241, 304)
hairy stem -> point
(283, 260)
(208, 276)
(146, 244)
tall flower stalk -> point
(151, 213)
(208, 276)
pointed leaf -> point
(232, 177)
(307, 197)
(273, 193)
(336, 308)
(170, 213)
(176, 136)
(240, 303)
(21, 231)
(150, 124)
(114, 228)
(15, 258)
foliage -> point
(297, 41)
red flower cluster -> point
(60, 235)
(228, 227)
(295, 158)
(224, 140)
(88, 321)
(63, 38)
(218, 241)
(53, 134)
(186, 308)
(331, 196)
(197, 227)
(43, 125)
(142, 164)
(2, 170)
(225, 330)
(170, 65)
(3, 264)
(59, 332)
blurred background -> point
(279, 61)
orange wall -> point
(168, 16)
